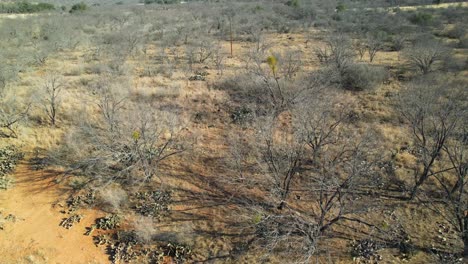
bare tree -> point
(449, 198)
(311, 173)
(374, 44)
(341, 69)
(230, 14)
(133, 39)
(361, 48)
(321, 121)
(278, 78)
(130, 153)
(322, 54)
(424, 53)
(152, 144)
(282, 156)
(204, 49)
(337, 55)
(118, 21)
(218, 59)
(456, 195)
(256, 35)
(398, 42)
(52, 86)
(341, 53)
(291, 63)
(12, 113)
(190, 54)
(324, 195)
(7, 74)
(267, 74)
(111, 100)
(433, 117)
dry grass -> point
(193, 175)
(434, 6)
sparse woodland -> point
(280, 131)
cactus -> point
(154, 204)
(100, 240)
(122, 252)
(9, 158)
(124, 247)
(366, 250)
(5, 182)
(90, 230)
(180, 253)
(68, 222)
(75, 202)
(108, 222)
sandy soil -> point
(443, 5)
(35, 236)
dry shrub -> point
(163, 91)
(144, 228)
(112, 197)
(361, 77)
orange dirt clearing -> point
(35, 236)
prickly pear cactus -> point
(154, 204)
(68, 222)
(74, 202)
(9, 158)
(108, 222)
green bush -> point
(463, 43)
(147, 2)
(457, 32)
(24, 7)
(340, 7)
(80, 7)
(360, 77)
(242, 115)
(44, 6)
(293, 3)
(421, 18)
(336, 17)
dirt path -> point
(410, 8)
(443, 5)
(35, 236)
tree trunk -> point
(281, 205)
(230, 35)
(465, 236)
(425, 174)
(418, 183)
(465, 248)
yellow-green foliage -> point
(256, 219)
(272, 62)
(136, 135)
